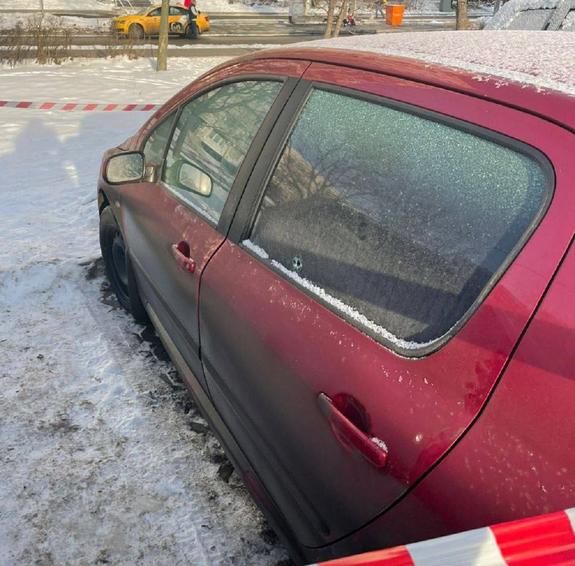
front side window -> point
(211, 139)
(397, 221)
(155, 13)
(155, 146)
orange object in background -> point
(394, 14)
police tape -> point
(78, 106)
(545, 539)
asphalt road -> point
(234, 34)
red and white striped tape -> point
(545, 539)
(77, 106)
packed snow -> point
(538, 58)
(101, 459)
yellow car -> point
(148, 22)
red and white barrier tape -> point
(78, 106)
(545, 539)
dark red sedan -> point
(363, 267)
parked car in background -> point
(147, 22)
(548, 15)
(363, 267)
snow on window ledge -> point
(336, 303)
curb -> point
(77, 106)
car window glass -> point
(175, 11)
(213, 135)
(155, 147)
(155, 12)
(397, 221)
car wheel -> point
(119, 269)
(177, 28)
(136, 31)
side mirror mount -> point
(193, 179)
(125, 168)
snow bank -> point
(541, 59)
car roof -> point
(531, 70)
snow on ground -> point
(100, 460)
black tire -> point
(177, 28)
(136, 31)
(119, 268)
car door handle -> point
(347, 433)
(181, 253)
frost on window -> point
(403, 219)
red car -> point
(363, 267)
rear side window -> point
(212, 136)
(397, 221)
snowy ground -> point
(101, 461)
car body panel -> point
(270, 348)
(550, 104)
(510, 464)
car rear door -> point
(388, 252)
(172, 230)
(178, 19)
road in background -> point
(234, 34)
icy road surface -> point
(101, 461)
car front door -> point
(174, 225)
(383, 263)
(153, 22)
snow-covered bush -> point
(41, 38)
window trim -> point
(241, 180)
(174, 112)
(242, 229)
